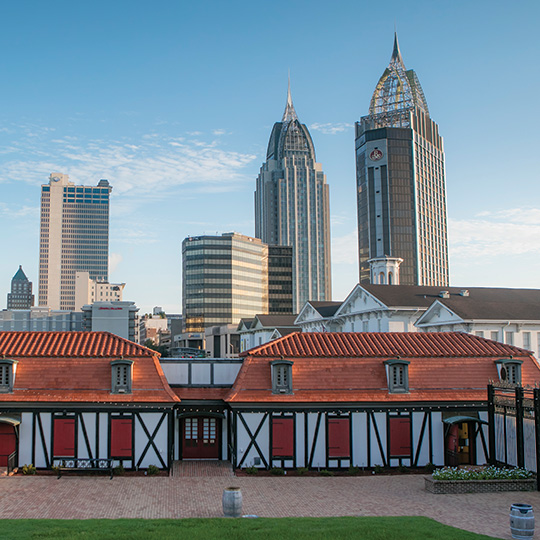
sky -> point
(173, 102)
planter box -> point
(478, 486)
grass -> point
(340, 528)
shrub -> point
(353, 470)
(326, 472)
(152, 470)
(251, 470)
(378, 469)
(302, 470)
(119, 471)
(429, 467)
(29, 469)
(402, 468)
(487, 473)
(277, 471)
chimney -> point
(444, 294)
(464, 292)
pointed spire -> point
(290, 113)
(396, 53)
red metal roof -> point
(442, 367)
(76, 367)
(79, 344)
(382, 344)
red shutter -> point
(400, 437)
(282, 437)
(64, 437)
(121, 430)
(339, 438)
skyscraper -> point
(401, 180)
(292, 206)
(74, 237)
(21, 296)
(230, 277)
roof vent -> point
(444, 294)
(464, 292)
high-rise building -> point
(89, 290)
(401, 180)
(226, 278)
(74, 237)
(292, 206)
(21, 296)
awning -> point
(460, 419)
(10, 420)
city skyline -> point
(183, 152)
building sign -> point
(376, 155)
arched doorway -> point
(460, 439)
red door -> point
(200, 438)
(8, 442)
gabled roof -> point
(382, 344)
(349, 368)
(485, 303)
(326, 309)
(75, 367)
(69, 344)
(273, 321)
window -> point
(339, 445)
(281, 376)
(400, 436)
(480, 333)
(64, 437)
(495, 336)
(7, 374)
(121, 437)
(397, 374)
(121, 376)
(509, 338)
(526, 340)
(282, 437)
(509, 370)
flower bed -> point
(483, 480)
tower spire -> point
(396, 53)
(290, 113)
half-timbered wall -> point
(325, 439)
(136, 439)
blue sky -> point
(173, 103)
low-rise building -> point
(115, 317)
(264, 328)
(88, 291)
(510, 316)
(40, 319)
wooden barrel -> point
(521, 521)
(232, 502)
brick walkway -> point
(177, 496)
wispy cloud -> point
(345, 249)
(16, 211)
(490, 235)
(331, 128)
(149, 166)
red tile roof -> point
(76, 367)
(378, 344)
(79, 344)
(344, 373)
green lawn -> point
(365, 528)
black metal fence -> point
(514, 426)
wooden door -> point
(200, 438)
(8, 442)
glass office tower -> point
(401, 180)
(292, 206)
(74, 237)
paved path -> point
(174, 497)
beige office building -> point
(74, 237)
(88, 291)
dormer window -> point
(7, 374)
(397, 375)
(281, 376)
(509, 370)
(121, 376)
